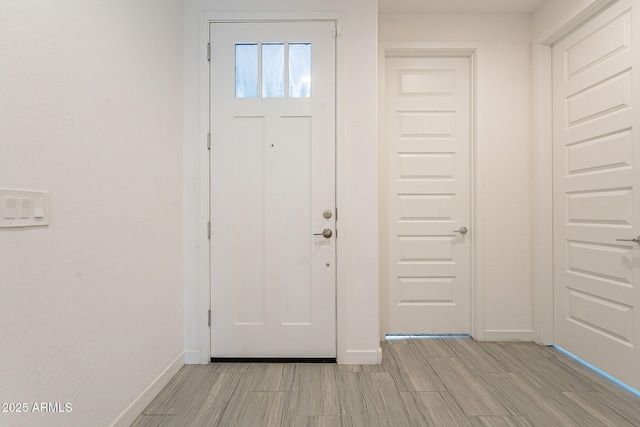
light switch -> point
(9, 207)
(25, 207)
(38, 208)
(21, 209)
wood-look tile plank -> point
(277, 377)
(542, 350)
(321, 390)
(155, 421)
(539, 406)
(433, 409)
(626, 405)
(587, 403)
(267, 409)
(236, 367)
(546, 372)
(474, 355)
(433, 347)
(612, 394)
(500, 422)
(409, 372)
(526, 349)
(189, 387)
(474, 397)
(504, 354)
(361, 368)
(224, 402)
(553, 374)
(374, 400)
(622, 402)
(324, 421)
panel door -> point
(272, 179)
(596, 192)
(428, 197)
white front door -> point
(597, 192)
(428, 195)
(273, 190)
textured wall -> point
(90, 111)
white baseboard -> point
(361, 357)
(508, 335)
(192, 357)
(128, 416)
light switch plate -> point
(23, 208)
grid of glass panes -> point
(273, 70)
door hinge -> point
(209, 52)
(209, 317)
(209, 229)
(209, 141)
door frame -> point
(204, 254)
(542, 149)
(472, 51)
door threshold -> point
(390, 337)
(273, 360)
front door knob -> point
(326, 233)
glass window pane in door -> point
(246, 70)
(300, 70)
(273, 70)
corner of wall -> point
(136, 408)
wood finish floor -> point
(422, 382)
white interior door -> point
(272, 189)
(596, 192)
(428, 195)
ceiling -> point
(458, 6)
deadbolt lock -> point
(327, 214)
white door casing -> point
(428, 103)
(597, 192)
(272, 177)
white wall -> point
(90, 110)
(503, 155)
(357, 169)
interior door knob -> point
(461, 230)
(326, 233)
